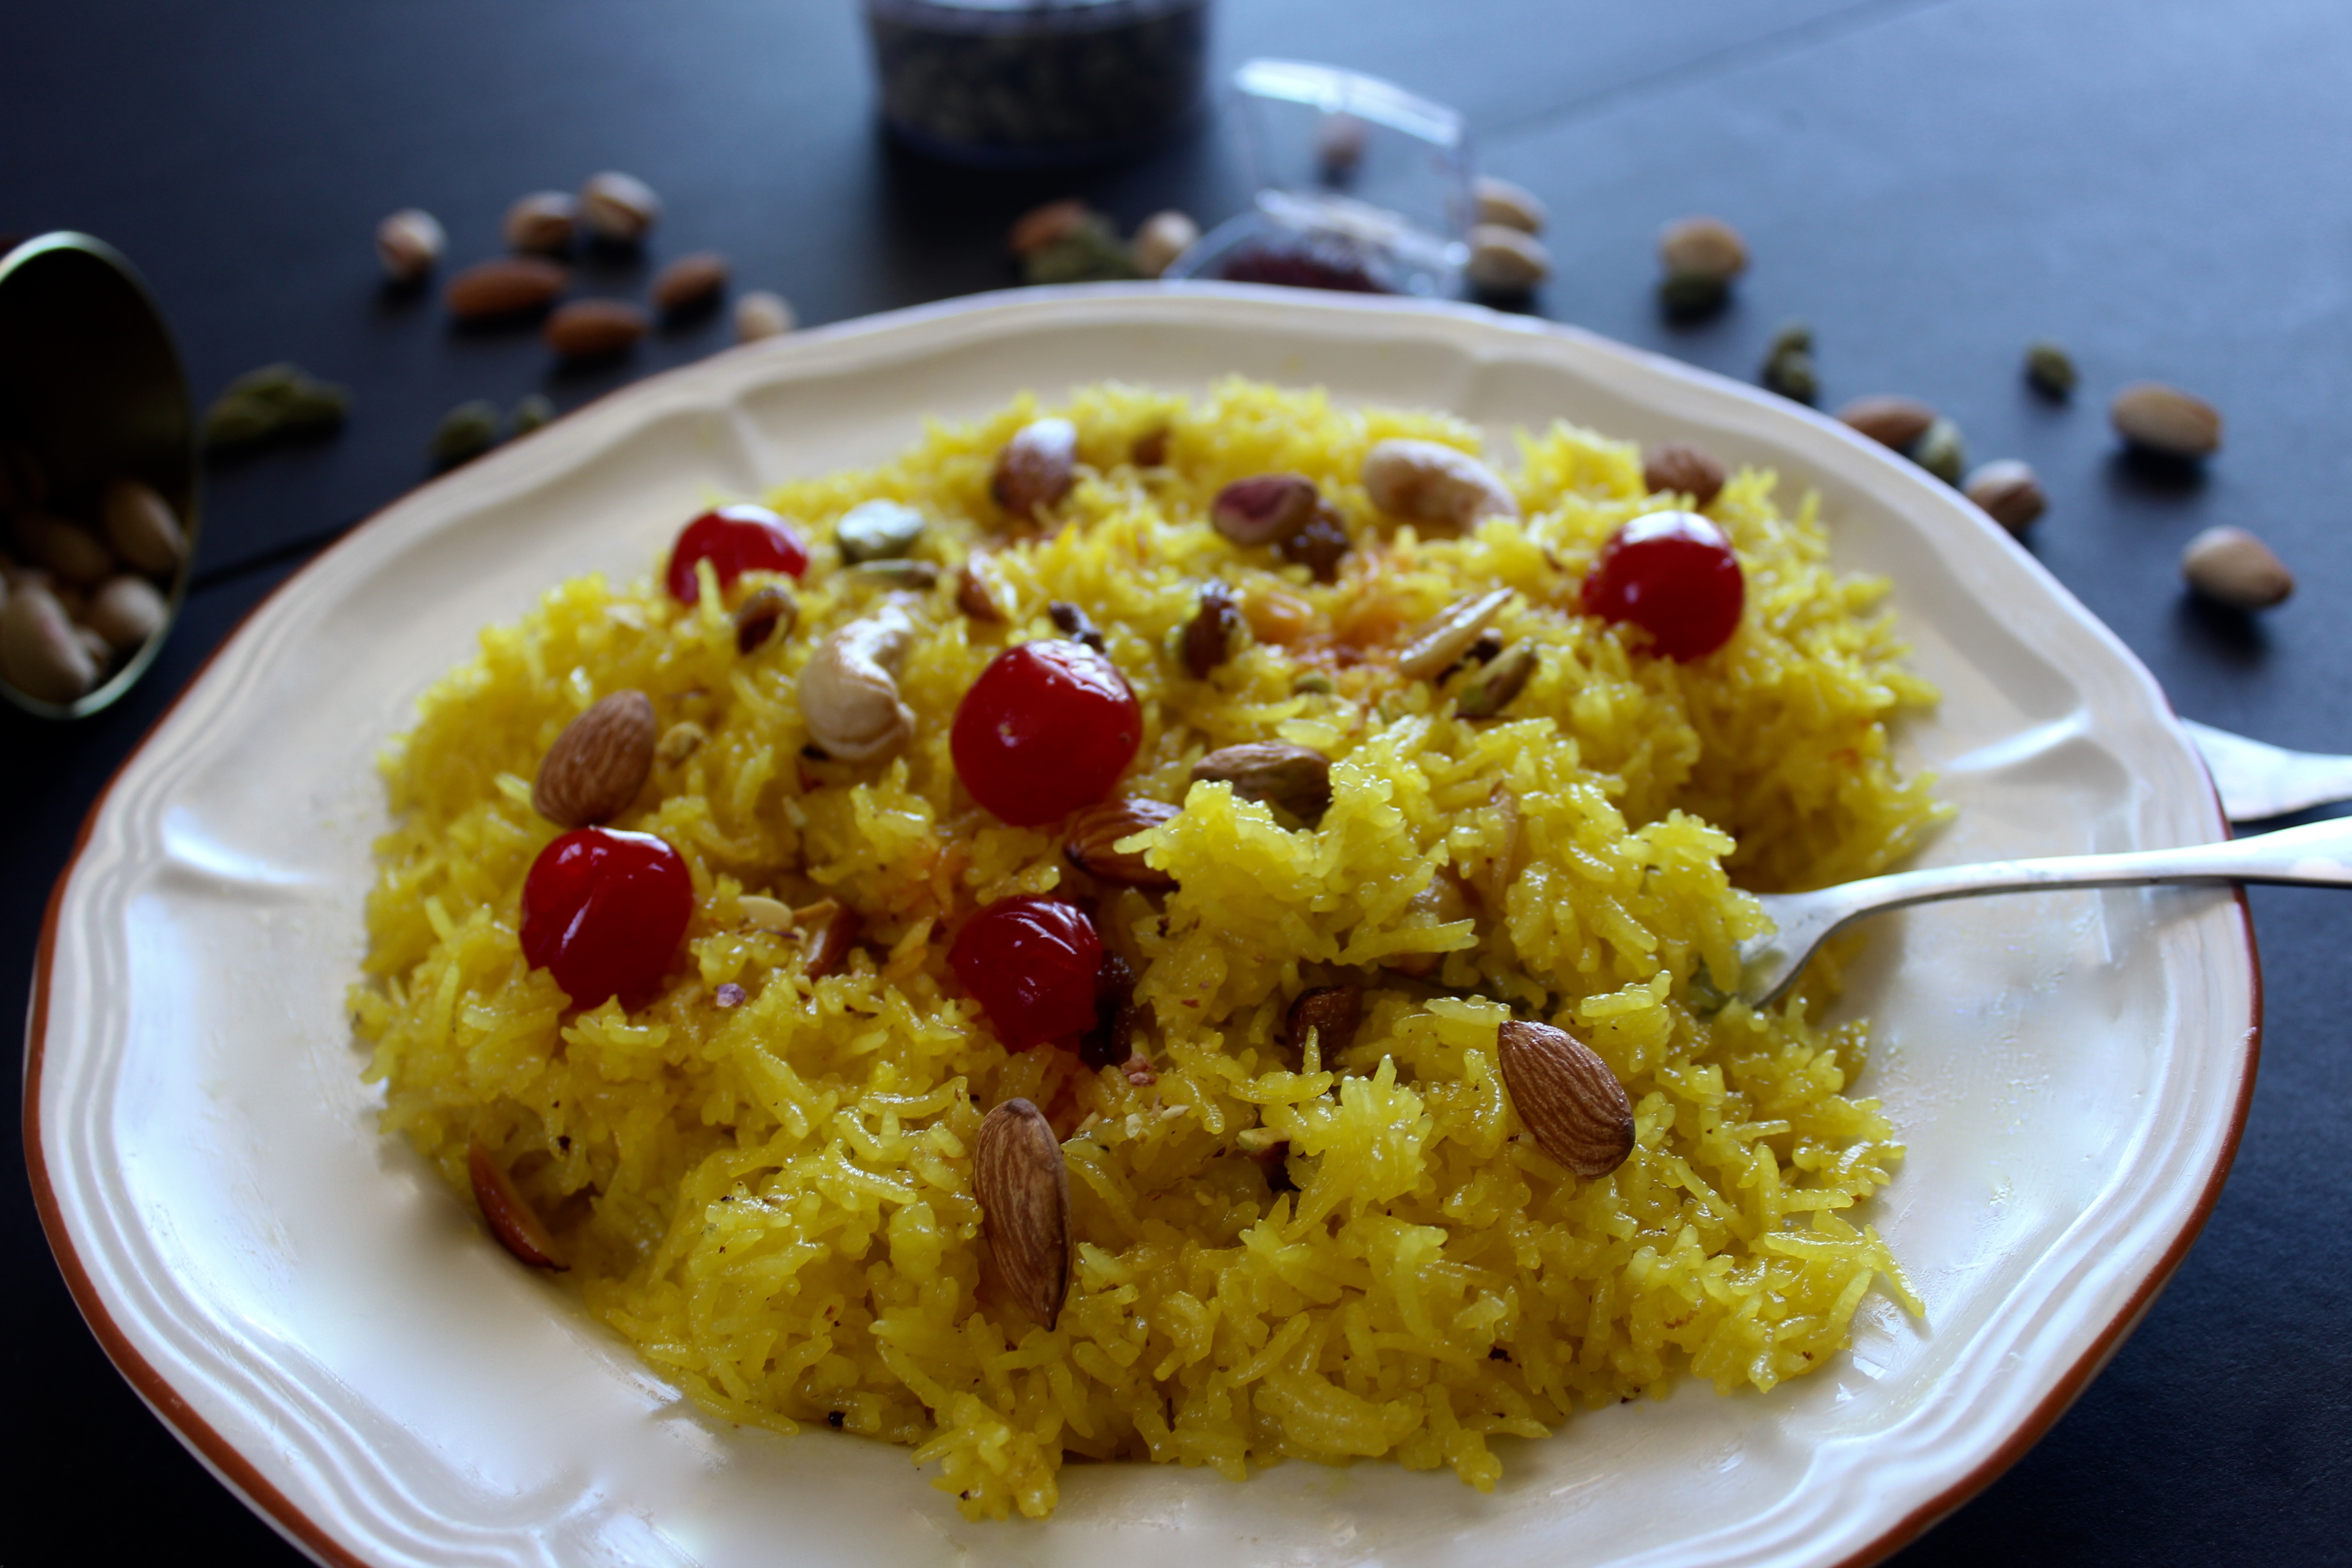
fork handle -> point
(2318, 854)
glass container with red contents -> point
(1361, 186)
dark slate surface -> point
(2165, 185)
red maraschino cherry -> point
(1674, 575)
(1047, 728)
(734, 540)
(602, 912)
(1032, 963)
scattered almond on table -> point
(2166, 420)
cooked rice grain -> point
(771, 1201)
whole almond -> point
(1024, 1188)
(689, 283)
(1332, 1012)
(509, 1213)
(2166, 419)
(1513, 207)
(1566, 1098)
(543, 221)
(599, 761)
(141, 525)
(1274, 772)
(2233, 567)
(619, 207)
(508, 285)
(1094, 829)
(1888, 419)
(1702, 247)
(593, 329)
(2008, 491)
(1677, 467)
(1036, 467)
(831, 929)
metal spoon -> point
(2318, 854)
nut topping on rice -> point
(739, 1063)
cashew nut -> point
(1431, 482)
(849, 694)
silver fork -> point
(2317, 855)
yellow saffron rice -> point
(1320, 1256)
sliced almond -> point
(599, 761)
(1437, 643)
(1677, 467)
(1889, 420)
(1566, 1098)
(509, 1213)
(506, 287)
(833, 930)
(1024, 1188)
(766, 913)
(1095, 830)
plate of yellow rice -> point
(1148, 1149)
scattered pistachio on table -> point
(619, 208)
(1941, 451)
(690, 283)
(1788, 363)
(1505, 260)
(542, 222)
(1511, 206)
(1159, 239)
(465, 433)
(2008, 491)
(2231, 566)
(761, 315)
(1701, 256)
(535, 411)
(275, 400)
(2050, 369)
(409, 243)
(2166, 420)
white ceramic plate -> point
(327, 1328)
